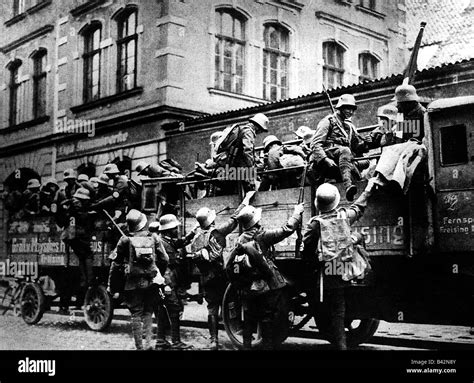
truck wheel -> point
(32, 306)
(360, 331)
(233, 314)
(357, 330)
(98, 308)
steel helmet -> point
(327, 198)
(305, 132)
(69, 174)
(249, 216)
(214, 137)
(153, 227)
(389, 111)
(33, 184)
(346, 100)
(94, 181)
(83, 177)
(103, 179)
(269, 140)
(141, 167)
(82, 193)
(136, 220)
(406, 92)
(168, 221)
(51, 181)
(261, 120)
(205, 217)
(111, 169)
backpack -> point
(335, 240)
(240, 272)
(227, 146)
(142, 255)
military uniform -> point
(331, 312)
(340, 145)
(263, 306)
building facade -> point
(87, 82)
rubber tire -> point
(103, 310)
(366, 329)
(234, 326)
(32, 290)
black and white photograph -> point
(236, 183)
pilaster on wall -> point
(170, 54)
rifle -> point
(115, 224)
(299, 239)
(333, 111)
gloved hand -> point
(299, 209)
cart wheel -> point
(360, 330)
(233, 314)
(98, 308)
(32, 303)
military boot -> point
(137, 331)
(148, 330)
(247, 332)
(267, 335)
(214, 332)
(345, 167)
(176, 343)
(162, 321)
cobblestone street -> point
(59, 332)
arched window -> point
(372, 4)
(333, 69)
(14, 68)
(127, 44)
(229, 51)
(92, 61)
(276, 56)
(39, 83)
(368, 67)
(87, 168)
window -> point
(368, 67)
(39, 83)
(229, 51)
(453, 145)
(371, 4)
(92, 62)
(275, 62)
(124, 164)
(333, 69)
(14, 69)
(127, 50)
(18, 7)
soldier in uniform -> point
(31, 198)
(330, 312)
(335, 143)
(263, 298)
(63, 197)
(279, 156)
(153, 171)
(175, 283)
(139, 259)
(77, 235)
(84, 182)
(208, 247)
(47, 193)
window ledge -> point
(290, 4)
(370, 11)
(29, 11)
(226, 93)
(25, 125)
(107, 100)
(86, 7)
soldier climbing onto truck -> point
(207, 247)
(265, 293)
(328, 238)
